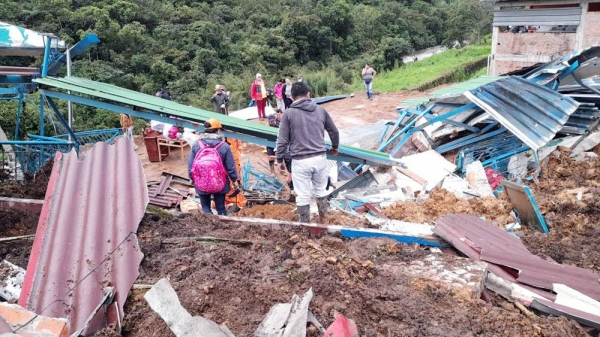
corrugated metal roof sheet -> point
(86, 239)
(481, 240)
(125, 96)
(537, 17)
(531, 112)
(454, 89)
(326, 99)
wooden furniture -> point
(167, 144)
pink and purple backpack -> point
(208, 171)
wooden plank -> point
(15, 238)
(411, 175)
(375, 210)
(22, 204)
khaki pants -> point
(310, 177)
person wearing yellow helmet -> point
(211, 167)
(221, 100)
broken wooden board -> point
(22, 204)
(419, 235)
(522, 199)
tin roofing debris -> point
(23, 204)
(509, 258)
(522, 199)
(531, 112)
(85, 240)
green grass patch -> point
(416, 74)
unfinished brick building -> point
(529, 32)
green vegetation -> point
(189, 46)
(412, 75)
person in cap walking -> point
(211, 167)
(258, 92)
(221, 100)
(302, 128)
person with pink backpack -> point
(211, 166)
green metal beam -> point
(100, 93)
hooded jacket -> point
(303, 127)
(220, 99)
(213, 139)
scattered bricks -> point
(32, 325)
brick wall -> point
(591, 34)
(536, 43)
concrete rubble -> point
(163, 299)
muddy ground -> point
(235, 284)
(288, 213)
(574, 222)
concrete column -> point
(581, 28)
(492, 63)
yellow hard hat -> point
(212, 124)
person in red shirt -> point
(258, 92)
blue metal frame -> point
(471, 139)
(81, 46)
(62, 120)
(433, 120)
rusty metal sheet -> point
(86, 236)
(483, 241)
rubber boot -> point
(323, 207)
(304, 213)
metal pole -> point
(42, 98)
(69, 103)
(19, 106)
(46, 61)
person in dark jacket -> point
(220, 100)
(212, 137)
(302, 128)
(274, 121)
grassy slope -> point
(413, 74)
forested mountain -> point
(189, 46)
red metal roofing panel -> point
(481, 240)
(86, 239)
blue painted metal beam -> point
(46, 60)
(81, 46)
(14, 79)
(471, 139)
(61, 119)
(32, 142)
(52, 139)
(429, 122)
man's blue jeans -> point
(369, 88)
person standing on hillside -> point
(258, 92)
(278, 91)
(302, 128)
(287, 91)
(368, 74)
(220, 100)
(211, 167)
(127, 127)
